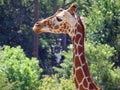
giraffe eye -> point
(58, 19)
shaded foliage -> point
(15, 25)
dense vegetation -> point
(19, 71)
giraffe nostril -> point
(37, 24)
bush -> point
(99, 60)
(55, 83)
(100, 64)
(17, 71)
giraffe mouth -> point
(36, 30)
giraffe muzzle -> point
(37, 28)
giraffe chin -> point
(37, 31)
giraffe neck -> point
(82, 77)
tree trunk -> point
(54, 5)
(63, 36)
(35, 35)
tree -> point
(102, 23)
(16, 25)
(35, 35)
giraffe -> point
(68, 22)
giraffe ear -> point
(72, 8)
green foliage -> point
(21, 73)
(102, 52)
(55, 83)
(17, 70)
(103, 23)
(66, 66)
(49, 83)
(99, 60)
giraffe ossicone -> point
(68, 22)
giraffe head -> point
(63, 21)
